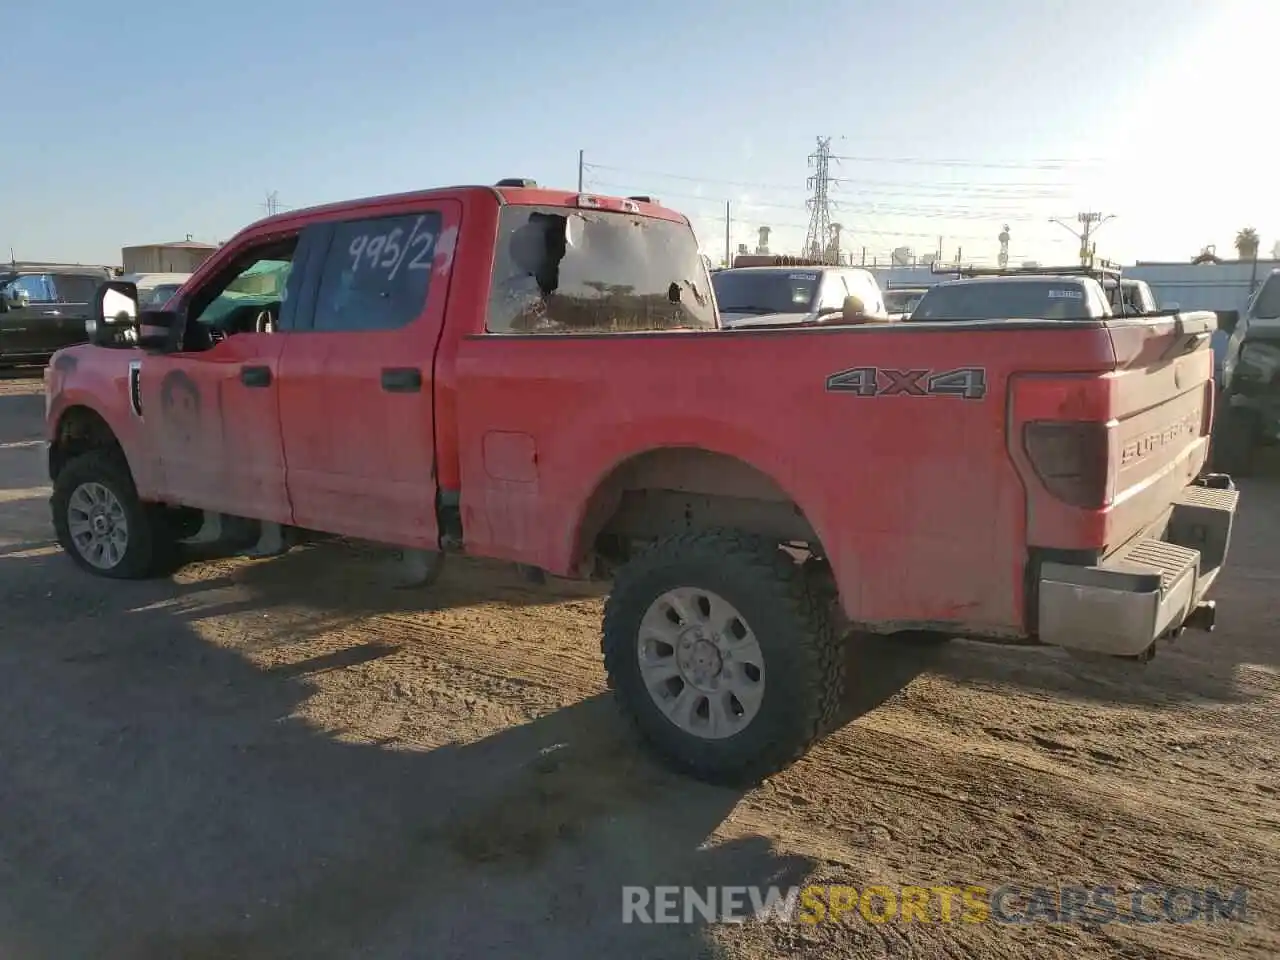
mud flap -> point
(418, 568)
(272, 542)
(210, 530)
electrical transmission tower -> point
(819, 204)
(272, 206)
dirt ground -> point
(286, 758)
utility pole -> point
(819, 204)
(728, 221)
(1089, 222)
(581, 168)
(272, 206)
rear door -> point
(356, 398)
(31, 330)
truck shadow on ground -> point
(165, 793)
(1196, 667)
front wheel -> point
(723, 655)
(103, 526)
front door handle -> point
(401, 380)
(255, 376)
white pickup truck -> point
(788, 293)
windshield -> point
(1267, 304)
(766, 291)
(901, 301)
(1020, 299)
(560, 270)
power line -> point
(1055, 164)
(858, 181)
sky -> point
(144, 122)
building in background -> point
(182, 257)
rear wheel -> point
(1235, 441)
(723, 655)
(103, 526)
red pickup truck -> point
(540, 376)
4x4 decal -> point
(968, 383)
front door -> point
(212, 409)
(73, 293)
(32, 330)
(356, 399)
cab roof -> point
(513, 195)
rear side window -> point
(1267, 304)
(377, 273)
(563, 271)
(74, 289)
(1018, 300)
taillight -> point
(1070, 458)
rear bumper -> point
(1147, 589)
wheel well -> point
(679, 489)
(80, 430)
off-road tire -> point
(1234, 443)
(803, 658)
(152, 548)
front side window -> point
(566, 271)
(259, 285)
(37, 286)
(377, 273)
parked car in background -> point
(795, 291)
(1249, 414)
(43, 308)
(155, 289)
(1035, 297)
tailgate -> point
(1161, 406)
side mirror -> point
(1227, 321)
(116, 320)
(14, 298)
(854, 310)
(115, 302)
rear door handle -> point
(255, 376)
(402, 380)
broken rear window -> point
(561, 270)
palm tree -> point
(1247, 243)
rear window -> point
(559, 270)
(1019, 300)
(1267, 304)
(766, 291)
